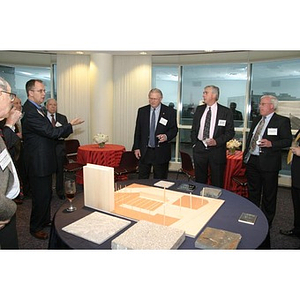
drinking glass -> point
(70, 190)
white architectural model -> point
(176, 209)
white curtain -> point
(132, 82)
(73, 92)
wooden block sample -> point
(99, 187)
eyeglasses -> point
(39, 91)
(11, 95)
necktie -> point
(257, 134)
(152, 130)
(290, 154)
(207, 125)
(53, 120)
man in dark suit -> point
(209, 142)
(57, 120)
(269, 134)
(39, 154)
(152, 146)
(295, 174)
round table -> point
(225, 218)
(109, 155)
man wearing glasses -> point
(269, 134)
(39, 154)
(9, 182)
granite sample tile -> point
(213, 238)
(146, 235)
(96, 227)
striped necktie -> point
(257, 134)
(207, 124)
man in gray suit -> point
(209, 142)
(9, 182)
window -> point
(281, 79)
(231, 79)
(185, 83)
(17, 76)
(166, 79)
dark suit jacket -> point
(60, 145)
(270, 158)
(39, 140)
(142, 131)
(12, 141)
(295, 168)
(222, 134)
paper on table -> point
(164, 184)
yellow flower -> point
(233, 144)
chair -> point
(187, 166)
(128, 164)
(71, 165)
(242, 182)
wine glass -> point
(258, 142)
(70, 190)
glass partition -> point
(17, 76)
(241, 86)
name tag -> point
(4, 159)
(222, 123)
(163, 121)
(272, 131)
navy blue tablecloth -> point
(225, 218)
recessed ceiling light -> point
(143, 53)
(79, 52)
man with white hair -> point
(269, 134)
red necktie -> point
(53, 120)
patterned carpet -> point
(282, 220)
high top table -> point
(109, 155)
(225, 218)
(234, 167)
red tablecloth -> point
(234, 167)
(109, 156)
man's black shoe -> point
(290, 232)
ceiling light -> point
(143, 53)
(79, 52)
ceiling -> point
(123, 52)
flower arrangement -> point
(100, 139)
(232, 145)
